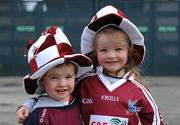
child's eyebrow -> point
(70, 74)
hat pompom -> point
(27, 46)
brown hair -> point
(74, 65)
(130, 66)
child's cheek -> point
(100, 60)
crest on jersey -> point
(132, 106)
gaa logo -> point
(87, 101)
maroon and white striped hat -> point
(107, 16)
(52, 48)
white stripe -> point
(107, 10)
(133, 32)
(86, 40)
(106, 82)
(73, 55)
(35, 46)
(41, 71)
(108, 85)
(46, 101)
(156, 119)
(46, 55)
(40, 41)
(60, 37)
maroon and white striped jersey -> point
(125, 102)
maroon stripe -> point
(33, 65)
(50, 41)
(64, 49)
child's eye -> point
(68, 77)
(119, 49)
(54, 77)
(102, 50)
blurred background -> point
(158, 20)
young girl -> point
(113, 92)
(54, 69)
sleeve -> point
(30, 103)
(33, 118)
(149, 113)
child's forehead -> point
(61, 70)
(110, 44)
(111, 29)
(116, 35)
(65, 65)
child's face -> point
(112, 52)
(59, 81)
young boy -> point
(54, 69)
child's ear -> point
(40, 82)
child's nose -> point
(62, 82)
(111, 54)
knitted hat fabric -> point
(105, 17)
(51, 49)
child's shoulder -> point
(140, 83)
(86, 75)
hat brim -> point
(30, 85)
(84, 65)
